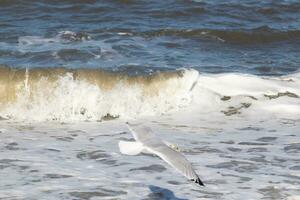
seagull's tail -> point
(130, 148)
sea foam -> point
(79, 95)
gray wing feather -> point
(175, 159)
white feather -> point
(130, 148)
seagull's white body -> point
(147, 142)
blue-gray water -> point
(142, 36)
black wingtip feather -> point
(198, 181)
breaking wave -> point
(61, 94)
(88, 94)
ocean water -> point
(220, 79)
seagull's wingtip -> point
(198, 181)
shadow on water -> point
(161, 194)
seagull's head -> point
(174, 147)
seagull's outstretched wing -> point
(155, 145)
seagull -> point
(148, 142)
